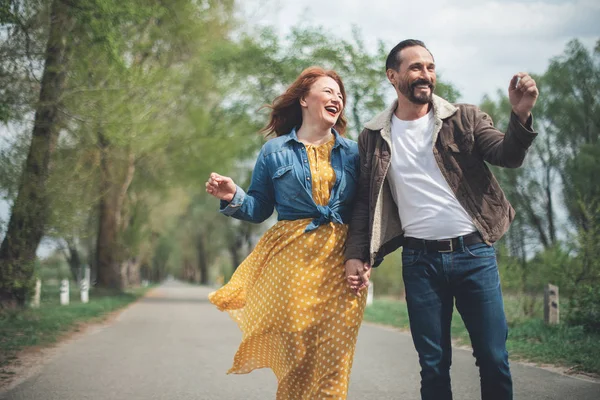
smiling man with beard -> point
(424, 185)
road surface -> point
(174, 345)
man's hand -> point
(522, 93)
(222, 187)
(357, 275)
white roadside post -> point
(64, 292)
(84, 285)
(370, 293)
(35, 303)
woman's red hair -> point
(286, 112)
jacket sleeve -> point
(357, 243)
(504, 150)
(256, 205)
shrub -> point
(584, 308)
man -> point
(424, 185)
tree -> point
(30, 209)
(128, 104)
(573, 111)
(559, 177)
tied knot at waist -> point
(326, 215)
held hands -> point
(522, 93)
(357, 275)
(222, 187)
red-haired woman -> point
(290, 298)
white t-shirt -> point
(427, 206)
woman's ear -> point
(302, 102)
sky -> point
(477, 44)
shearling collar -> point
(441, 109)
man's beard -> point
(409, 91)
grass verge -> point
(45, 325)
(528, 338)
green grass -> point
(45, 325)
(529, 338)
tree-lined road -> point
(174, 345)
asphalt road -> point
(174, 345)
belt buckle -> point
(449, 241)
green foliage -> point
(388, 312)
(582, 189)
(529, 337)
(139, 104)
(559, 174)
(387, 277)
(53, 268)
(558, 344)
(547, 266)
(170, 91)
(270, 65)
(583, 278)
(584, 308)
(13, 151)
(162, 254)
(499, 110)
(572, 88)
(446, 90)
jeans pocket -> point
(410, 257)
(481, 250)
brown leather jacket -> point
(464, 140)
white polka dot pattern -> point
(291, 301)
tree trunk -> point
(108, 268)
(202, 260)
(135, 272)
(30, 209)
(235, 247)
(549, 185)
(91, 259)
(234, 250)
(74, 259)
(130, 272)
(109, 254)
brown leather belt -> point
(442, 245)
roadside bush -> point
(387, 277)
(584, 308)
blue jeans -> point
(433, 280)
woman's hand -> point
(357, 275)
(222, 187)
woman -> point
(289, 296)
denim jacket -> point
(282, 180)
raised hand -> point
(522, 94)
(222, 187)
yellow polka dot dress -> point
(291, 301)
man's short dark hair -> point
(393, 59)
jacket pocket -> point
(287, 186)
